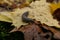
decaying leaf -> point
(38, 31)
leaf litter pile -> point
(32, 31)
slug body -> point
(25, 17)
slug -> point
(25, 17)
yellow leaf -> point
(54, 6)
(5, 18)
